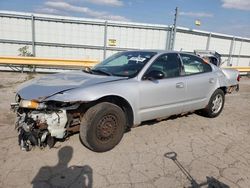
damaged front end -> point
(42, 123)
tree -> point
(24, 51)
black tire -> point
(102, 127)
(215, 105)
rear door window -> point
(194, 65)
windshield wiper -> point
(101, 71)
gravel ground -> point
(217, 148)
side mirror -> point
(154, 75)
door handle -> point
(180, 85)
(211, 80)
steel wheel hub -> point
(217, 104)
(106, 128)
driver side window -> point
(168, 64)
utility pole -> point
(173, 30)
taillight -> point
(238, 78)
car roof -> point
(161, 51)
(165, 51)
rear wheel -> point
(102, 127)
(215, 104)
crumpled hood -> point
(41, 88)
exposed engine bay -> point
(44, 125)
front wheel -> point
(102, 127)
(215, 105)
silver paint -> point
(148, 99)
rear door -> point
(200, 82)
(162, 97)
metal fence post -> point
(105, 40)
(167, 38)
(208, 41)
(173, 30)
(175, 25)
(33, 35)
(170, 38)
(230, 52)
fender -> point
(96, 92)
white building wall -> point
(236, 61)
(245, 50)
(15, 29)
(11, 49)
(76, 38)
(69, 33)
(237, 47)
(139, 38)
(220, 45)
(68, 53)
(190, 42)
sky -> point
(222, 16)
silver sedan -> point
(119, 93)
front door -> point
(162, 97)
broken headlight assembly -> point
(31, 104)
(41, 124)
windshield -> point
(125, 64)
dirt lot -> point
(218, 148)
